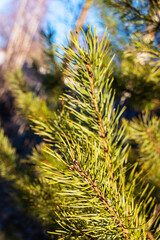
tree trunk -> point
(24, 29)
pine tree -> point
(96, 192)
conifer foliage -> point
(144, 132)
(95, 187)
(81, 180)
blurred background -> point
(30, 73)
(28, 30)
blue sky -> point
(61, 16)
(3, 4)
(63, 19)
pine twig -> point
(101, 197)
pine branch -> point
(33, 193)
(101, 196)
(89, 152)
(144, 132)
(27, 102)
(150, 236)
(129, 10)
(102, 131)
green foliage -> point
(89, 153)
(141, 15)
(7, 156)
(30, 190)
(137, 81)
(137, 46)
(82, 180)
(26, 101)
(144, 133)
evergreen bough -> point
(95, 184)
(86, 181)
